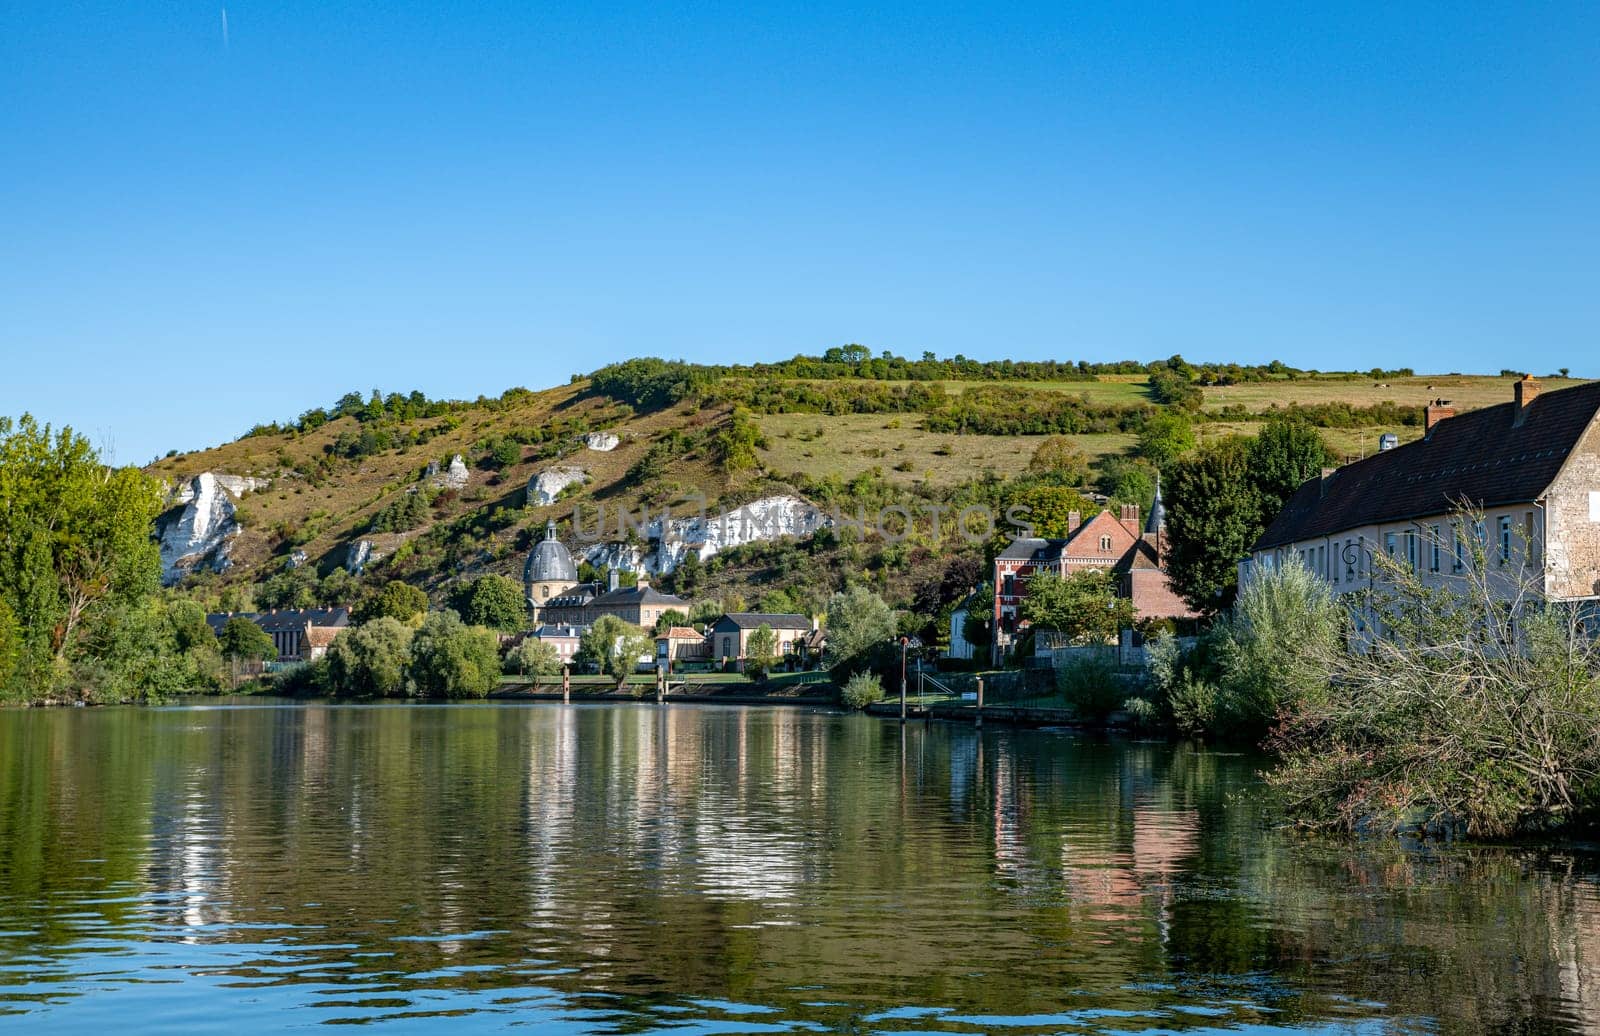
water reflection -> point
(622, 869)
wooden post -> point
(566, 683)
(979, 722)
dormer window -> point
(1105, 543)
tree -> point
(493, 601)
(291, 588)
(858, 620)
(1283, 456)
(686, 577)
(1128, 480)
(397, 600)
(1048, 510)
(760, 651)
(1084, 606)
(75, 546)
(450, 659)
(533, 657)
(1213, 518)
(243, 641)
(1059, 455)
(616, 645)
(670, 618)
(369, 661)
(1166, 437)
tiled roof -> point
(682, 633)
(754, 620)
(548, 632)
(634, 595)
(321, 636)
(1479, 458)
(573, 597)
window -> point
(1527, 529)
(1389, 540)
(1322, 561)
(1458, 548)
(1505, 537)
(1105, 543)
(1350, 559)
(1411, 549)
(1433, 550)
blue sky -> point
(197, 233)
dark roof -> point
(754, 620)
(636, 595)
(1478, 459)
(573, 597)
(284, 620)
(1158, 511)
(550, 632)
(549, 561)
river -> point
(622, 869)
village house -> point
(1523, 478)
(1136, 558)
(299, 634)
(681, 644)
(730, 634)
(563, 638)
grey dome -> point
(549, 561)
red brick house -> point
(1108, 542)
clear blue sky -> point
(197, 233)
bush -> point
(1090, 685)
(860, 691)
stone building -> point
(1115, 543)
(294, 631)
(1522, 477)
(730, 634)
(549, 572)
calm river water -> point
(620, 869)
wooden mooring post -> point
(978, 722)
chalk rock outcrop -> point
(769, 518)
(359, 556)
(602, 442)
(202, 533)
(238, 485)
(453, 477)
(544, 487)
(623, 557)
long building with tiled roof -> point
(1530, 468)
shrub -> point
(1090, 685)
(860, 691)
(369, 661)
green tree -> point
(397, 600)
(243, 641)
(617, 646)
(369, 661)
(1058, 455)
(75, 547)
(1166, 437)
(978, 628)
(1084, 606)
(533, 657)
(1213, 519)
(493, 601)
(1127, 480)
(450, 659)
(1283, 456)
(858, 621)
(670, 618)
(861, 690)
(1047, 510)
(291, 588)
(760, 651)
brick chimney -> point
(1130, 519)
(1074, 519)
(1526, 391)
(1435, 412)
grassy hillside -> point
(837, 439)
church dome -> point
(549, 561)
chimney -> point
(644, 579)
(1435, 412)
(1074, 519)
(1525, 391)
(616, 580)
(1130, 518)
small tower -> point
(549, 570)
(1156, 524)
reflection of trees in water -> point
(675, 852)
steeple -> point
(550, 527)
(1158, 512)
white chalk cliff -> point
(544, 487)
(202, 533)
(454, 477)
(238, 485)
(769, 518)
(602, 442)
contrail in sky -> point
(224, 28)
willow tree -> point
(75, 546)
